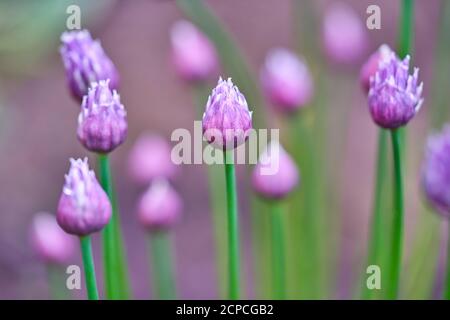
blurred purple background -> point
(38, 129)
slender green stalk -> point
(447, 276)
(162, 265)
(216, 187)
(116, 281)
(306, 220)
(56, 282)
(377, 225)
(278, 251)
(233, 230)
(406, 28)
(89, 269)
(397, 220)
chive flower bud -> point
(193, 54)
(102, 122)
(275, 175)
(286, 80)
(50, 242)
(344, 34)
(436, 171)
(84, 207)
(160, 206)
(85, 62)
(369, 69)
(150, 158)
(394, 95)
(227, 120)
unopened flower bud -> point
(227, 121)
(102, 123)
(395, 95)
(286, 80)
(344, 34)
(160, 206)
(436, 171)
(275, 174)
(84, 207)
(150, 158)
(193, 55)
(85, 62)
(50, 242)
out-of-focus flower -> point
(275, 174)
(369, 69)
(83, 207)
(394, 95)
(193, 55)
(227, 121)
(160, 206)
(150, 158)
(85, 62)
(50, 242)
(102, 123)
(344, 34)
(436, 171)
(286, 80)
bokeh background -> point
(38, 129)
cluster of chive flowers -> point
(394, 96)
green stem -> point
(89, 269)
(397, 220)
(233, 230)
(56, 283)
(116, 282)
(278, 253)
(162, 266)
(447, 281)
(375, 247)
(406, 30)
(216, 187)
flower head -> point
(369, 69)
(102, 123)
(160, 206)
(227, 121)
(286, 80)
(193, 55)
(344, 34)
(436, 171)
(84, 207)
(49, 241)
(275, 174)
(150, 158)
(85, 62)
(394, 95)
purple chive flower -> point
(394, 95)
(369, 69)
(227, 121)
(150, 158)
(50, 242)
(275, 174)
(85, 62)
(102, 123)
(286, 80)
(344, 34)
(84, 207)
(436, 171)
(160, 206)
(193, 55)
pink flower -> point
(49, 241)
